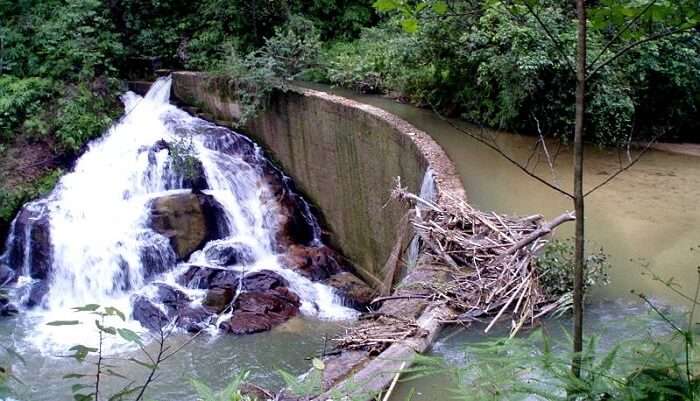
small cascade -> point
(108, 233)
(428, 191)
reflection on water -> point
(649, 212)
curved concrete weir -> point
(345, 157)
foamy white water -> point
(98, 218)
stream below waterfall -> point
(179, 223)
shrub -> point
(21, 98)
(81, 116)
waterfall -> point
(98, 244)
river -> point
(647, 217)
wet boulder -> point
(313, 262)
(188, 221)
(31, 243)
(7, 308)
(355, 292)
(255, 312)
(263, 280)
(217, 299)
(176, 306)
(204, 277)
(37, 294)
(229, 254)
(7, 275)
(148, 314)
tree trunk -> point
(578, 186)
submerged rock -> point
(354, 291)
(255, 312)
(188, 221)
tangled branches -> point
(490, 258)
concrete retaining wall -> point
(343, 155)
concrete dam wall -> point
(344, 157)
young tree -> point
(628, 24)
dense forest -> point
(64, 62)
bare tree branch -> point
(557, 44)
(494, 147)
(622, 169)
(622, 32)
(637, 43)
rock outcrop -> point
(354, 291)
(188, 220)
(176, 306)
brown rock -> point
(353, 290)
(314, 262)
(217, 299)
(187, 220)
(261, 311)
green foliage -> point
(20, 98)
(290, 52)
(87, 387)
(13, 198)
(556, 268)
(81, 116)
(182, 154)
(232, 392)
(492, 63)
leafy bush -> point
(495, 67)
(82, 116)
(232, 392)
(20, 98)
(556, 268)
(290, 52)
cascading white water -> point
(99, 215)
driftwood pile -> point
(377, 331)
(490, 260)
(490, 257)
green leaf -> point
(144, 364)
(440, 7)
(111, 372)
(74, 376)
(111, 311)
(63, 323)
(81, 352)
(385, 5)
(77, 387)
(87, 308)
(124, 392)
(105, 329)
(410, 25)
(318, 364)
(84, 397)
(130, 336)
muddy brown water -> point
(647, 216)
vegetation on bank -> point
(64, 62)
